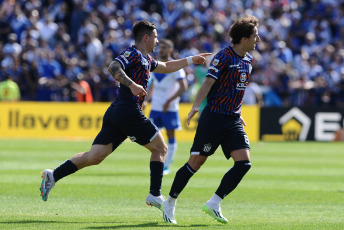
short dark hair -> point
(242, 27)
(141, 28)
(167, 42)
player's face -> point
(253, 40)
(152, 41)
(164, 51)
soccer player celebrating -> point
(124, 117)
(220, 122)
(165, 91)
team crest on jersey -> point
(215, 62)
(207, 148)
(243, 77)
(127, 54)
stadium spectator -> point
(9, 90)
(306, 28)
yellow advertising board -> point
(51, 119)
(82, 120)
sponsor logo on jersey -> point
(232, 66)
(243, 77)
(127, 54)
(213, 68)
(207, 148)
(215, 62)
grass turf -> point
(291, 185)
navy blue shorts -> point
(218, 129)
(122, 121)
(169, 120)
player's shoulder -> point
(130, 51)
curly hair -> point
(242, 27)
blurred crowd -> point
(52, 48)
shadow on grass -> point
(119, 226)
(41, 222)
(150, 225)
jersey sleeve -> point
(154, 63)
(180, 74)
(128, 58)
(217, 66)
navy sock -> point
(232, 178)
(67, 168)
(181, 179)
(156, 174)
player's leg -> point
(228, 183)
(206, 141)
(96, 155)
(235, 145)
(172, 148)
(180, 181)
(158, 150)
(108, 139)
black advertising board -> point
(300, 123)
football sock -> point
(172, 148)
(156, 174)
(181, 179)
(65, 169)
(214, 201)
(232, 178)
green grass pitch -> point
(291, 185)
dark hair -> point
(167, 42)
(242, 27)
(141, 28)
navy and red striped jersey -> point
(231, 73)
(137, 68)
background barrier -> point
(82, 120)
(300, 123)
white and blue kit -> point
(165, 85)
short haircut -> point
(141, 28)
(167, 42)
(242, 27)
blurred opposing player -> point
(220, 122)
(124, 117)
(165, 91)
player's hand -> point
(242, 121)
(137, 90)
(200, 58)
(192, 113)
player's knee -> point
(243, 166)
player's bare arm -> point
(174, 65)
(119, 75)
(202, 93)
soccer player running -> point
(220, 122)
(124, 117)
(165, 91)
